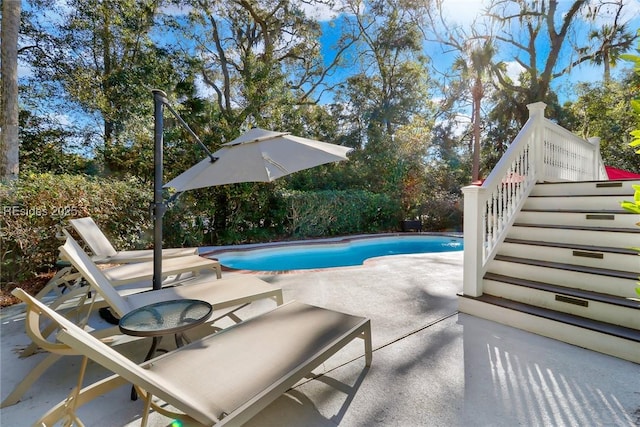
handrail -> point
(542, 151)
(568, 157)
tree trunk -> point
(9, 147)
(607, 64)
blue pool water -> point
(334, 254)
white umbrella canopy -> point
(258, 156)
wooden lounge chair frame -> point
(225, 295)
(222, 379)
(104, 252)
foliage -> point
(335, 213)
(231, 214)
(276, 215)
(98, 55)
(442, 211)
(259, 58)
(45, 147)
(387, 113)
(605, 111)
(612, 39)
(36, 206)
(544, 23)
(634, 206)
(635, 103)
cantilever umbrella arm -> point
(159, 207)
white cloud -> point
(463, 11)
(321, 12)
(514, 69)
(630, 12)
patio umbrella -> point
(258, 156)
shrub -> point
(334, 213)
(37, 206)
(442, 212)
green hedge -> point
(279, 216)
(338, 213)
(36, 206)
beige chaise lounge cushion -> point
(229, 376)
(104, 252)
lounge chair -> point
(225, 295)
(221, 293)
(123, 274)
(174, 270)
(104, 252)
(222, 379)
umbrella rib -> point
(274, 163)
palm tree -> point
(477, 67)
(614, 41)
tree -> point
(260, 62)
(612, 39)
(387, 94)
(260, 58)
(525, 26)
(477, 66)
(9, 143)
(98, 54)
(635, 103)
(605, 111)
(43, 147)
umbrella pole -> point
(158, 204)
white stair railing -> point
(542, 151)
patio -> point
(431, 365)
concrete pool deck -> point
(432, 366)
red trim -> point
(614, 173)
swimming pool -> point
(333, 253)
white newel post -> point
(473, 240)
(595, 141)
(536, 113)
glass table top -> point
(167, 317)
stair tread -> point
(570, 267)
(579, 227)
(573, 292)
(583, 322)
(590, 248)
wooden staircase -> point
(567, 270)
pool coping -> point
(209, 252)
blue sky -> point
(464, 13)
